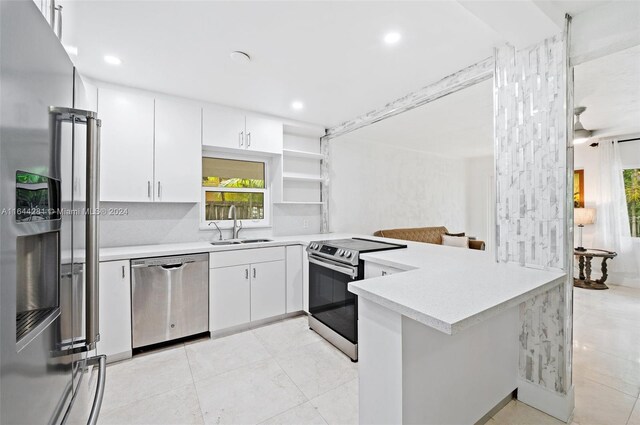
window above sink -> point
(230, 181)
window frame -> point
(246, 223)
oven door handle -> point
(351, 271)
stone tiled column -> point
(533, 165)
(324, 187)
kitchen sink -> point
(239, 241)
(216, 243)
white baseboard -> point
(559, 406)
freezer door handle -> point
(101, 360)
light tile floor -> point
(284, 373)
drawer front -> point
(246, 256)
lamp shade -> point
(582, 216)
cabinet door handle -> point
(123, 272)
(149, 189)
(248, 139)
(241, 138)
(254, 272)
(246, 273)
(158, 190)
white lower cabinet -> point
(376, 270)
(229, 292)
(246, 286)
(115, 310)
(295, 278)
(267, 290)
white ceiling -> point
(329, 55)
(610, 89)
(460, 125)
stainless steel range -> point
(333, 309)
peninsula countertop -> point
(450, 289)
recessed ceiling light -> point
(240, 57)
(72, 50)
(112, 60)
(297, 105)
(392, 37)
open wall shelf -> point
(301, 154)
(301, 177)
(298, 203)
(298, 178)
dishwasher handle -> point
(170, 263)
(176, 266)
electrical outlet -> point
(305, 224)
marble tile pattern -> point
(284, 373)
(530, 94)
(530, 149)
(459, 80)
(542, 345)
(326, 184)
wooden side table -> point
(584, 279)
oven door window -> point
(331, 303)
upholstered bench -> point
(426, 235)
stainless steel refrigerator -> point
(49, 156)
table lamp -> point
(582, 216)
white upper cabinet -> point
(263, 134)
(178, 151)
(222, 127)
(227, 128)
(126, 146)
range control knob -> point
(348, 254)
(314, 246)
(340, 252)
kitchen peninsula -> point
(440, 343)
(439, 331)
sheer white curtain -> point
(612, 222)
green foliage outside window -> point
(632, 192)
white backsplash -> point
(160, 223)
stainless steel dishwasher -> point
(170, 298)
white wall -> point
(479, 191)
(375, 186)
(586, 158)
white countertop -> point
(450, 288)
(446, 288)
(144, 251)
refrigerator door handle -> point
(92, 214)
(101, 360)
(92, 230)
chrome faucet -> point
(232, 214)
(217, 227)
